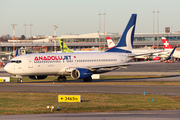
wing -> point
(142, 54)
(128, 63)
(117, 65)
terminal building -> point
(92, 41)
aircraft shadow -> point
(105, 80)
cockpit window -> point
(12, 61)
(15, 61)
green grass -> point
(33, 103)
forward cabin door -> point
(30, 62)
(123, 58)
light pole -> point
(172, 29)
(14, 39)
(55, 26)
(30, 31)
(153, 26)
(99, 27)
(104, 30)
(157, 27)
(25, 33)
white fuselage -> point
(59, 63)
(163, 53)
(176, 53)
(140, 51)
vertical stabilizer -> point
(64, 47)
(126, 42)
(166, 44)
(110, 43)
(17, 52)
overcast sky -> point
(81, 16)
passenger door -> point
(30, 62)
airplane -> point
(17, 53)
(77, 65)
(64, 48)
(149, 55)
(110, 43)
(167, 46)
(1, 63)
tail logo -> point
(166, 43)
(128, 40)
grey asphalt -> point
(153, 67)
(124, 115)
(114, 89)
(149, 69)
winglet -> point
(169, 57)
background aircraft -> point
(150, 54)
(65, 48)
(167, 46)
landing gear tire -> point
(62, 78)
(19, 80)
(87, 79)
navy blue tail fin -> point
(16, 52)
(126, 42)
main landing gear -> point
(87, 79)
(62, 78)
(19, 80)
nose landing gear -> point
(19, 80)
(62, 78)
(87, 79)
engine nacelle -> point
(81, 73)
(36, 77)
(156, 58)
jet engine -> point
(36, 77)
(81, 73)
(156, 58)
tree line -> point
(5, 38)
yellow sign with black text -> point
(69, 98)
(1, 80)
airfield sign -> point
(69, 98)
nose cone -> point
(7, 68)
